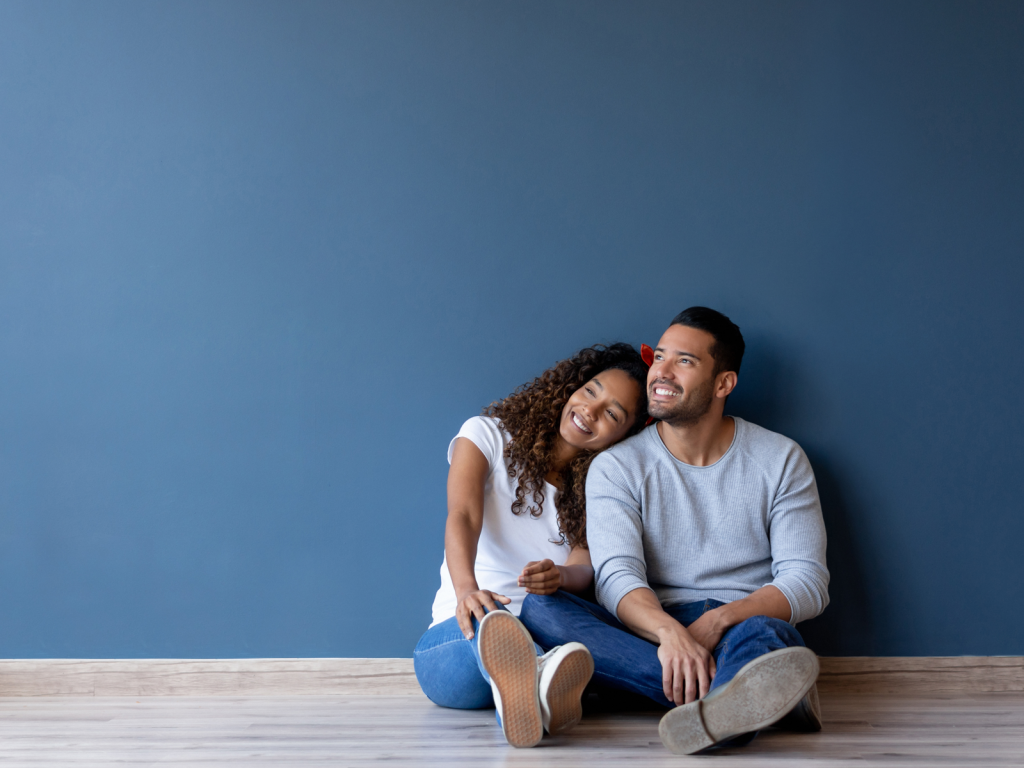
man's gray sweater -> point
(722, 531)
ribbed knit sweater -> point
(723, 531)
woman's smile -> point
(580, 424)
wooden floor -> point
(880, 730)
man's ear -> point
(725, 383)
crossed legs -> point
(624, 661)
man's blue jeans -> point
(448, 667)
(625, 661)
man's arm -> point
(767, 601)
(799, 589)
(615, 530)
(687, 667)
(797, 534)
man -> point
(708, 547)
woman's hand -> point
(541, 577)
(474, 604)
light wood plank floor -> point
(940, 730)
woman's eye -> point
(589, 391)
(612, 416)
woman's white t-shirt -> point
(507, 541)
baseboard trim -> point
(395, 677)
(207, 677)
(922, 675)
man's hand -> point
(708, 629)
(541, 577)
(687, 667)
(473, 604)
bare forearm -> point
(576, 578)
(460, 540)
(767, 601)
(687, 668)
(641, 612)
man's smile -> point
(661, 390)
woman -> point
(517, 524)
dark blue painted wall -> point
(258, 261)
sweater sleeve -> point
(797, 534)
(614, 533)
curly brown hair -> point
(531, 415)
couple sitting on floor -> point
(701, 536)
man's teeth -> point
(665, 392)
(580, 424)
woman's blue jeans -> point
(627, 662)
(448, 667)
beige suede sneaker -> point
(762, 692)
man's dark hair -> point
(728, 347)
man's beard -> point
(688, 411)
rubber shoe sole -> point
(762, 692)
(805, 717)
(562, 680)
(508, 654)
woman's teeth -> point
(580, 424)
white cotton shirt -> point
(507, 541)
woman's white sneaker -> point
(508, 654)
(564, 672)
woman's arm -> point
(466, 480)
(544, 577)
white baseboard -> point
(395, 677)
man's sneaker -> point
(805, 717)
(508, 654)
(564, 672)
(762, 692)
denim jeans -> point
(448, 667)
(625, 661)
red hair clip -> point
(647, 354)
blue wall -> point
(258, 261)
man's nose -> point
(660, 371)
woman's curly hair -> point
(531, 415)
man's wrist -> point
(727, 616)
(670, 628)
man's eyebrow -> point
(679, 353)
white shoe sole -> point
(561, 687)
(510, 658)
(762, 692)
